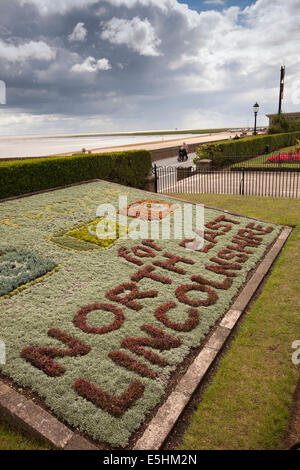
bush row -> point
(280, 123)
(221, 152)
(18, 177)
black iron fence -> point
(240, 180)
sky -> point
(127, 65)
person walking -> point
(183, 152)
(186, 148)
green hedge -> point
(36, 174)
(221, 152)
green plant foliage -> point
(26, 176)
(281, 124)
(294, 125)
(221, 152)
(104, 241)
(19, 267)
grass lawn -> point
(261, 160)
(248, 403)
(14, 438)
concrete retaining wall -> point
(159, 154)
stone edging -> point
(39, 422)
(167, 415)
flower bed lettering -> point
(42, 357)
(199, 292)
(122, 318)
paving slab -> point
(231, 318)
(196, 371)
(78, 442)
(218, 338)
(164, 421)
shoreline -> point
(116, 134)
(159, 149)
(74, 146)
(161, 144)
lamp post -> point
(282, 74)
(255, 109)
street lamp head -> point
(256, 108)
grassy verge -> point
(14, 438)
(261, 161)
(248, 403)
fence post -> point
(242, 184)
(155, 176)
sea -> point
(44, 145)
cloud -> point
(92, 65)
(2, 92)
(61, 7)
(137, 34)
(240, 47)
(214, 2)
(79, 33)
(31, 50)
(49, 7)
(172, 66)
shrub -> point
(30, 175)
(221, 152)
(281, 124)
(294, 125)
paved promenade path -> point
(172, 161)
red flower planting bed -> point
(284, 157)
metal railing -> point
(241, 181)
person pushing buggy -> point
(183, 153)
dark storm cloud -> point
(69, 92)
(132, 58)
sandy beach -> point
(44, 146)
(163, 144)
(15, 148)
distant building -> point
(289, 116)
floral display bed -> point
(98, 329)
(284, 157)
